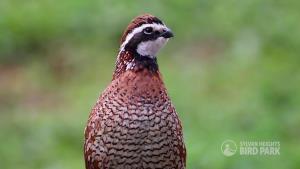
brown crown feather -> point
(138, 21)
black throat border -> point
(146, 62)
(132, 61)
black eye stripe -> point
(148, 33)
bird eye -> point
(148, 30)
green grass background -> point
(232, 71)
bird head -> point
(145, 36)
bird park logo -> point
(228, 148)
(250, 148)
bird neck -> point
(129, 61)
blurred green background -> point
(232, 71)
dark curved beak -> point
(167, 34)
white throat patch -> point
(151, 47)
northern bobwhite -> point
(134, 124)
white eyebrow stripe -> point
(139, 29)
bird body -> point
(134, 124)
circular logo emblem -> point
(228, 148)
